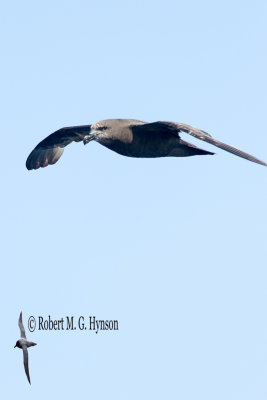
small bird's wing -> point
(26, 362)
(197, 133)
(169, 128)
(21, 327)
(49, 150)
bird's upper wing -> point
(202, 135)
(21, 327)
(49, 150)
(26, 362)
(156, 127)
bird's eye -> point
(102, 128)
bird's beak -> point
(15, 346)
(88, 138)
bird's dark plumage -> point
(23, 344)
(130, 138)
(49, 150)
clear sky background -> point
(174, 249)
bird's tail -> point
(30, 344)
(185, 149)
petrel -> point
(131, 138)
(23, 344)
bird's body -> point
(23, 344)
(131, 138)
(134, 138)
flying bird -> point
(131, 138)
(23, 344)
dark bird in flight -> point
(23, 344)
(130, 138)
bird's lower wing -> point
(49, 150)
(197, 133)
(21, 327)
(26, 363)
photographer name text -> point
(72, 323)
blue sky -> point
(174, 249)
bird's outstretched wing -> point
(26, 362)
(49, 150)
(21, 327)
(202, 135)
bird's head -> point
(97, 131)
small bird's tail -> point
(185, 149)
(30, 344)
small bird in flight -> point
(23, 344)
(131, 138)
